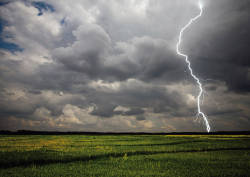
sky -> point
(111, 66)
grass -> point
(125, 155)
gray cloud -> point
(112, 66)
(222, 37)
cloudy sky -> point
(111, 65)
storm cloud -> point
(112, 66)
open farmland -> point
(125, 155)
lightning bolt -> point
(200, 113)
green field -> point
(124, 155)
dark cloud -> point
(222, 36)
(134, 111)
(112, 66)
(140, 117)
(104, 110)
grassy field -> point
(124, 155)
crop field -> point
(124, 155)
